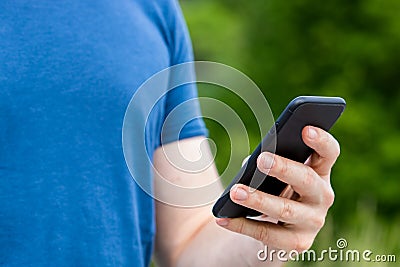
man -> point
(67, 73)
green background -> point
(335, 48)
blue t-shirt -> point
(67, 73)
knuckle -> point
(308, 178)
(258, 201)
(302, 244)
(336, 147)
(287, 210)
(325, 137)
(329, 197)
(240, 227)
(281, 166)
(261, 233)
(318, 221)
(332, 144)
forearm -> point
(215, 246)
(189, 236)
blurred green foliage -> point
(335, 48)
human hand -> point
(301, 218)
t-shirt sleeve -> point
(182, 110)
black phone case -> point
(284, 139)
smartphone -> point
(283, 139)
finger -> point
(326, 149)
(303, 179)
(270, 234)
(282, 209)
(288, 192)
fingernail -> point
(222, 221)
(267, 160)
(240, 194)
(312, 133)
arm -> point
(193, 237)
